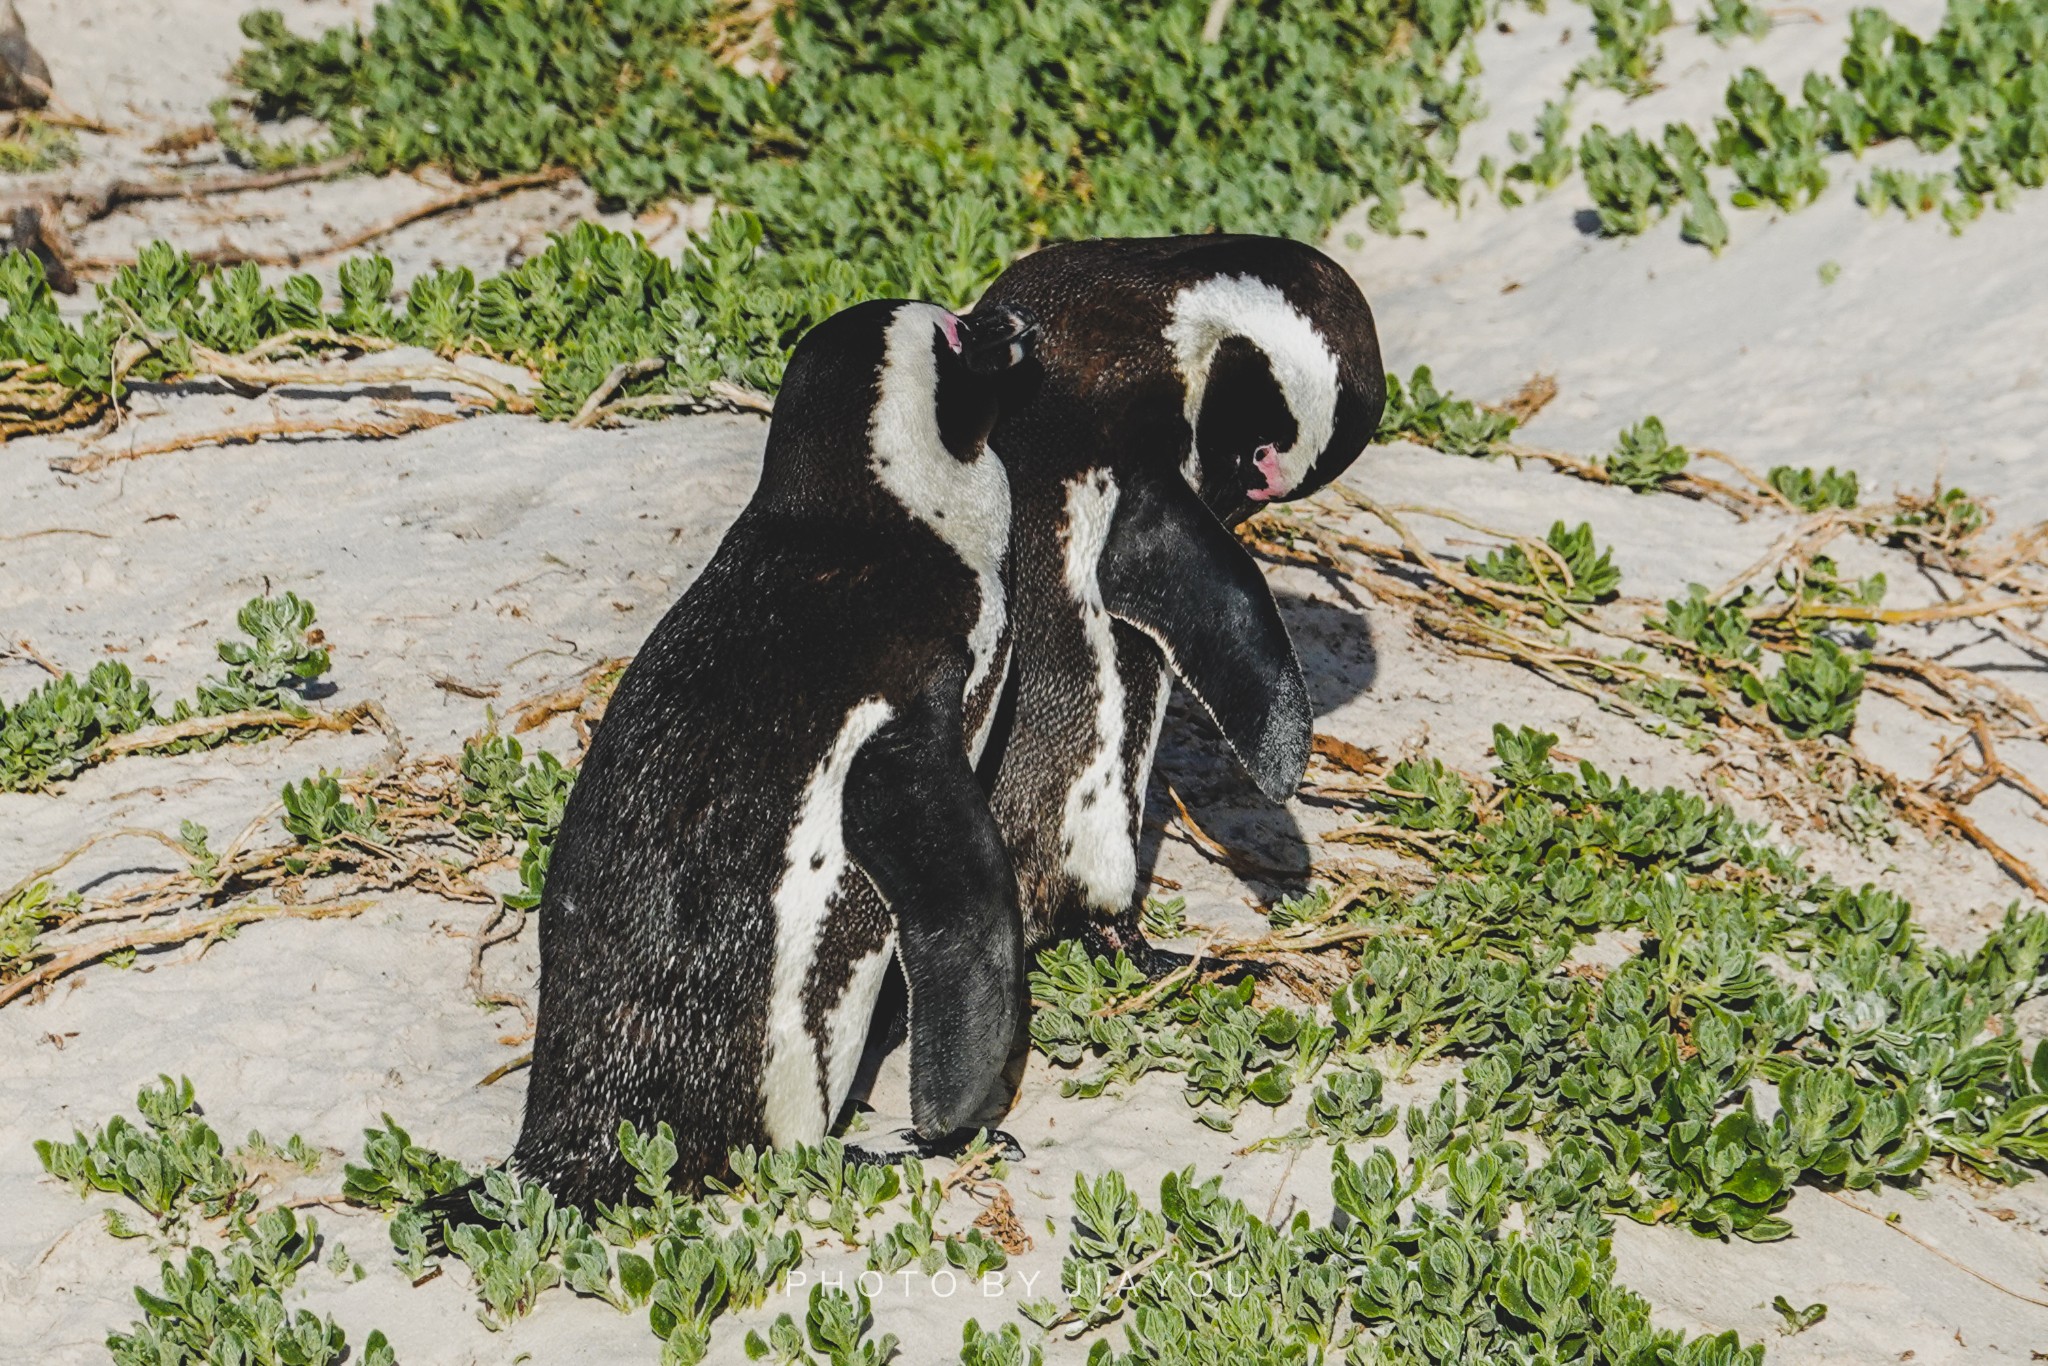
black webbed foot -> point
(950, 1145)
(1106, 938)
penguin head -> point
(939, 384)
(1280, 396)
(890, 403)
(971, 357)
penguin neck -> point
(966, 503)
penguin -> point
(1177, 385)
(782, 798)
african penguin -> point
(782, 794)
(1177, 385)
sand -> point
(510, 554)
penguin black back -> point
(780, 796)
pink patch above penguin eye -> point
(1266, 460)
(950, 325)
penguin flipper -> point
(919, 826)
(1173, 571)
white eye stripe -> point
(1204, 315)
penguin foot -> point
(1108, 938)
(947, 1145)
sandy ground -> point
(505, 552)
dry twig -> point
(156, 737)
(593, 682)
(227, 254)
(377, 426)
(184, 932)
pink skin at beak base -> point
(1267, 462)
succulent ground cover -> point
(917, 148)
(1583, 1093)
(884, 162)
(1764, 1026)
(1974, 92)
(70, 724)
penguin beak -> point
(996, 340)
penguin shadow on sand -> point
(1269, 850)
(1339, 661)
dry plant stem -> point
(335, 1201)
(1359, 834)
(538, 711)
(1913, 1237)
(60, 115)
(1530, 546)
(1761, 485)
(718, 394)
(1570, 464)
(1216, 849)
(1203, 840)
(316, 337)
(267, 375)
(504, 1070)
(1510, 598)
(382, 425)
(66, 859)
(98, 200)
(1697, 487)
(503, 924)
(1801, 544)
(1160, 987)
(620, 374)
(1950, 681)
(228, 255)
(1273, 1205)
(1931, 809)
(38, 658)
(1996, 770)
(1314, 943)
(1214, 20)
(1532, 398)
(1900, 616)
(462, 689)
(1327, 560)
(86, 954)
(968, 1172)
(156, 737)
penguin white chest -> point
(793, 1102)
(1095, 824)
